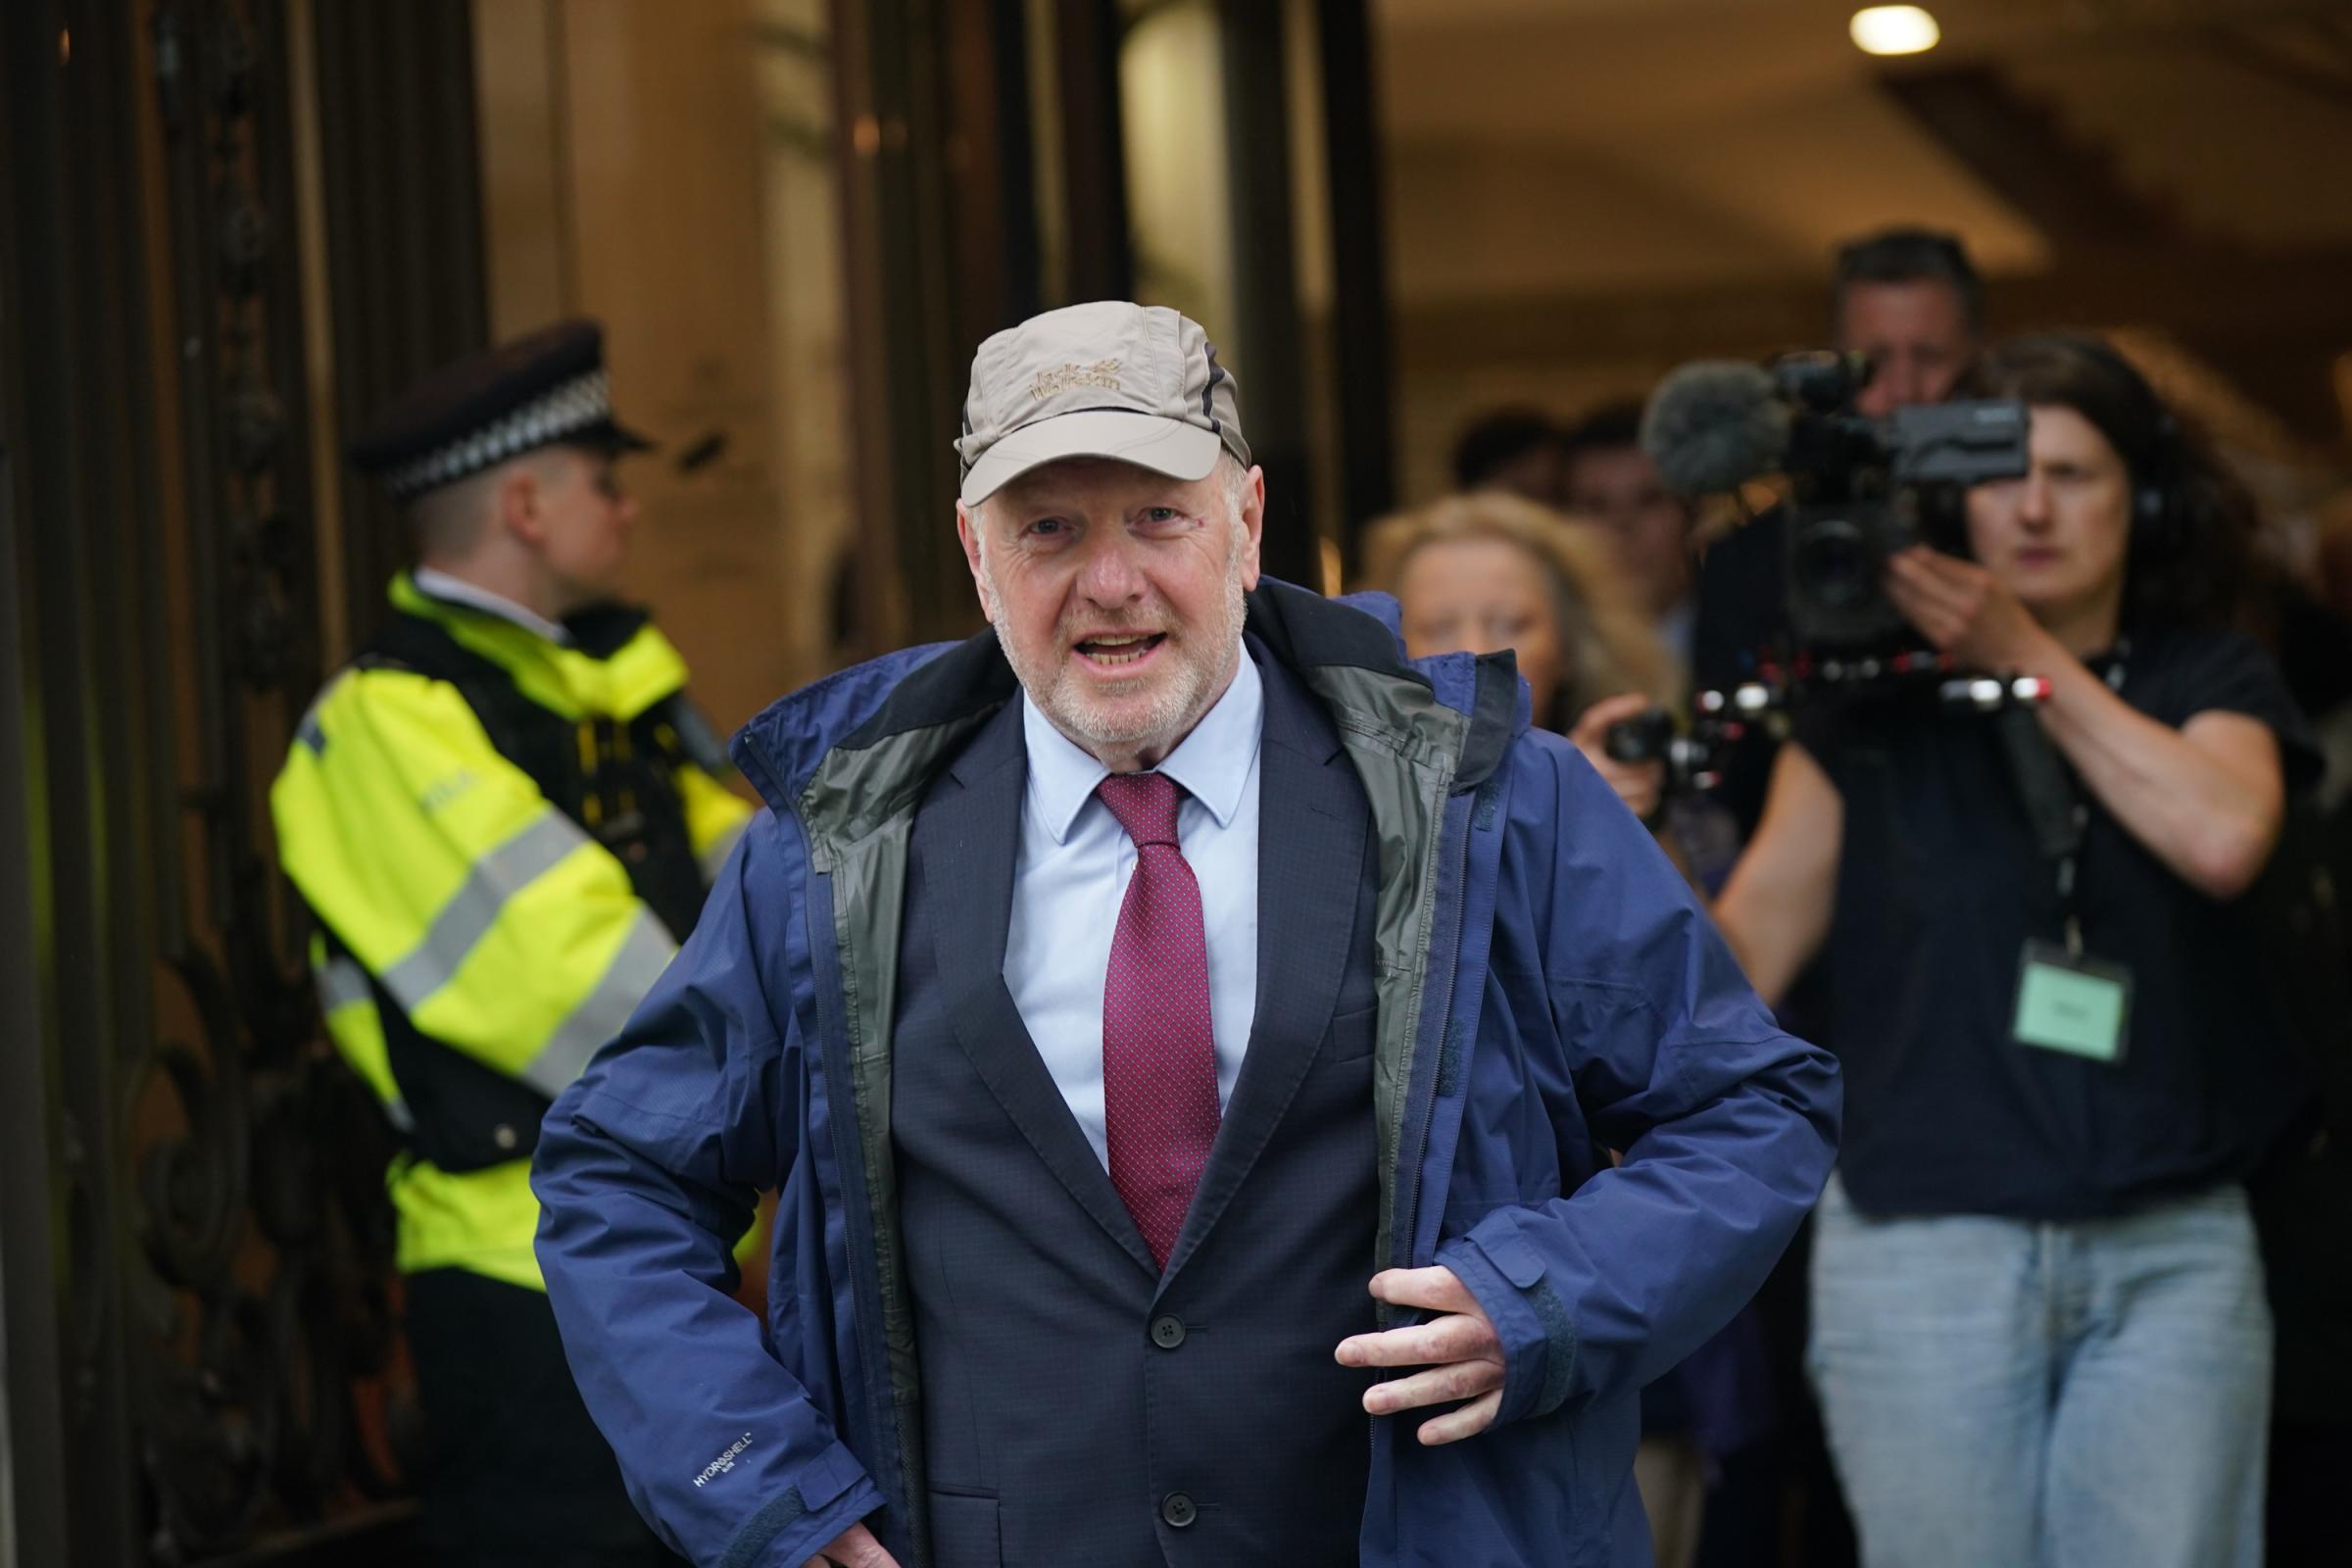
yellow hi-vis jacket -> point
(503, 840)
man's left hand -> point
(1964, 610)
(1459, 1348)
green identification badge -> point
(2072, 1003)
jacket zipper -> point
(1449, 942)
(885, 1412)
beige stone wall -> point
(663, 167)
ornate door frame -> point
(196, 1298)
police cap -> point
(545, 389)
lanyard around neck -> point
(2056, 804)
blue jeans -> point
(2001, 1394)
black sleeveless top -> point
(1939, 886)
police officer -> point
(504, 816)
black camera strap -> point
(2056, 807)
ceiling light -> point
(1894, 30)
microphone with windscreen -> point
(1860, 489)
(1714, 424)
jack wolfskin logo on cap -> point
(1104, 373)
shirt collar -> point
(1212, 763)
(458, 591)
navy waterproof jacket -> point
(1548, 990)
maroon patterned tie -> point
(1159, 1058)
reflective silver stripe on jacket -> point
(643, 954)
(342, 982)
(470, 914)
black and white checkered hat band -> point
(579, 404)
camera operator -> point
(2039, 1333)
(1911, 300)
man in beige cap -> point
(1182, 1032)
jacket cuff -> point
(789, 1530)
(1499, 1266)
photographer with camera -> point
(1488, 570)
(2039, 1331)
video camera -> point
(1862, 488)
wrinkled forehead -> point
(1106, 482)
(1474, 566)
(2057, 432)
(1917, 309)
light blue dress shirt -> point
(1071, 876)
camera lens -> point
(1834, 565)
(1644, 738)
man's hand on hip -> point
(1459, 1348)
(853, 1548)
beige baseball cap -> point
(1140, 383)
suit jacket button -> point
(503, 1136)
(1167, 1331)
(1178, 1511)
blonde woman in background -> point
(1489, 570)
